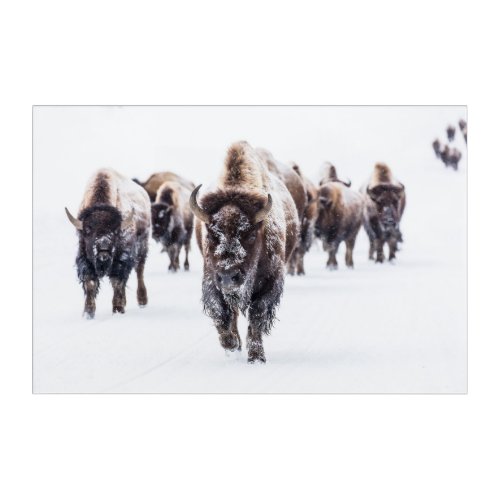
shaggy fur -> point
(172, 222)
(152, 185)
(330, 175)
(244, 261)
(339, 220)
(113, 239)
(295, 185)
(385, 201)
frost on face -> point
(229, 248)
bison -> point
(436, 146)
(463, 128)
(340, 217)
(295, 184)
(172, 221)
(113, 228)
(385, 201)
(247, 230)
(450, 132)
(152, 185)
(307, 225)
(451, 157)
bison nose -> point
(229, 279)
(103, 256)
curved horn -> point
(128, 219)
(195, 208)
(77, 223)
(263, 212)
(347, 184)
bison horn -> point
(262, 213)
(347, 184)
(77, 223)
(128, 220)
(195, 208)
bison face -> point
(161, 219)
(232, 248)
(100, 229)
(387, 199)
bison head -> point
(387, 198)
(162, 222)
(99, 228)
(234, 235)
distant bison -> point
(385, 201)
(450, 132)
(436, 146)
(463, 128)
(451, 157)
(340, 217)
(113, 228)
(295, 185)
(247, 230)
(152, 185)
(172, 221)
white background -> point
(250, 446)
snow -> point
(378, 328)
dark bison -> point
(451, 157)
(450, 132)
(308, 221)
(463, 128)
(385, 201)
(172, 221)
(436, 146)
(156, 180)
(113, 229)
(246, 230)
(340, 217)
(295, 184)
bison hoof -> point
(332, 267)
(186, 267)
(230, 342)
(256, 358)
(88, 314)
(118, 309)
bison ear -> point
(77, 223)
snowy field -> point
(376, 329)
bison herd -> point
(256, 225)
(450, 156)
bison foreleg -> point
(393, 247)
(332, 256)
(187, 246)
(379, 248)
(90, 283)
(119, 295)
(120, 271)
(142, 293)
(261, 316)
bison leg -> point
(229, 337)
(332, 257)
(300, 264)
(379, 248)
(142, 293)
(371, 252)
(118, 276)
(187, 247)
(349, 245)
(393, 247)
(255, 346)
(292, 263)
(119, 295)
(90, 288)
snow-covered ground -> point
(378, 328)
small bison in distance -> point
(152, 185)
(463, 128)
(340, 217)
(308, 221)
(385, 201)
(450, 132)
(172, 221)
(113, 229)
(295, 185)
(246, 230)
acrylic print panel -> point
(397, 327)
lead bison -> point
(246, 230)
(113, 228)
(385, 201)
(339, 218)
(172, 221)
(152, 185)
(295, 185)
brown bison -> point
(246, 231)
(463, 128)
(451, 157)
(436, 146)
(113, 228)
(152, 185)
(295, 184)
(339, 218)
(307, 225)
(385, 201)
(172, 221)
(450, 132)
